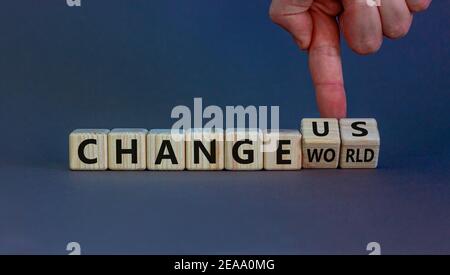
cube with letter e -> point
(282, 150)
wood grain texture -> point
(360, 143)
(320, 147)
(234, 137)
(97, 151)
(282, 150)
(209, 138)
(173, 138)
(126, 138)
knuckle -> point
(275, 15)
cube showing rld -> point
(360, 143)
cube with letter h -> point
(126, 149)
(360, 143)
(321, 142)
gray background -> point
(128, 63)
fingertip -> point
(366, 46)
(418, 5)
(339, 113)
(332, 101)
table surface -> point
(115, 64)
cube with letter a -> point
(166, 149)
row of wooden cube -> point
(322, 143)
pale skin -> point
(316, 25)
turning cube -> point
(166, 149)
(360, 143)
(282, 150)
(205, 149)
(88, 149)
(126, 149)
(321, 142)
(243, 149)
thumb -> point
(326, 67)
(292, 16)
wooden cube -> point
(243, 149)
(321, 143)
(282, 150)
(205, 149)
(88, 149)
(166, 149)
(127, 149)
(360, 143)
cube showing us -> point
(205, 149)
(360, 143)
(88, 149)
(321, 143)
(282, 150)
(243, 149)
(166, 149)
(126, 149)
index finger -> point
(326, 66)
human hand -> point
(315, 26)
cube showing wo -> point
(321, 143)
